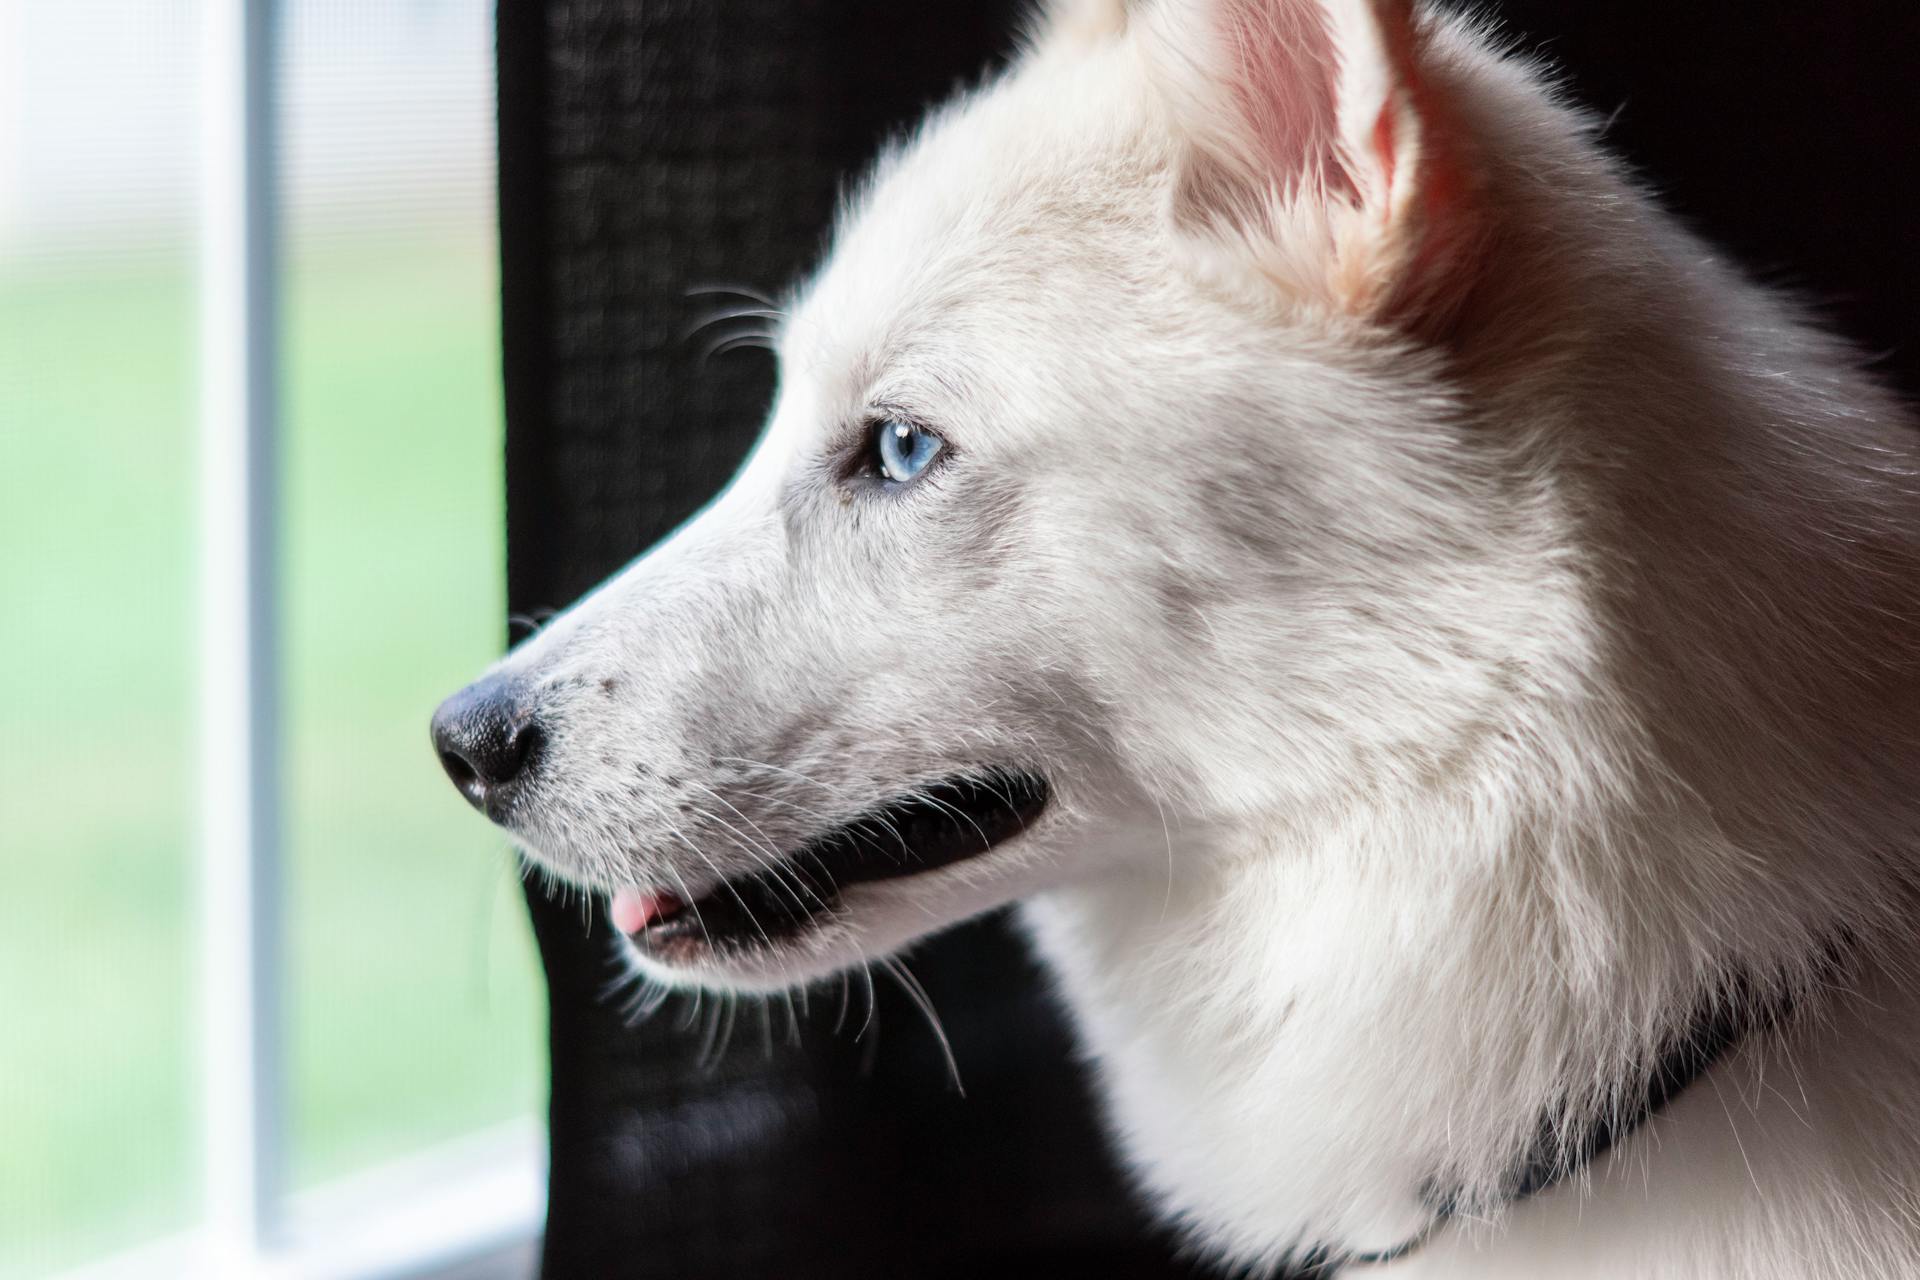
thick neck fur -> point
(1709, 783)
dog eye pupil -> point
(902, 450)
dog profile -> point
(1433, 649)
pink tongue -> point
(633, 910)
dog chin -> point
(867, 924)
(829, 945)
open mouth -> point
(936, 826)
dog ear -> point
(1320, 150)
(1076, 23)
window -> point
(396, 1069)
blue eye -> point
(903, 450)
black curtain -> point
(650, 149)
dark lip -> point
(950, 821)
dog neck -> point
(1338, 1050)
(1564, 1151)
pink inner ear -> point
(1324, 101)
(1285, 84)
(1382, 142)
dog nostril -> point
(486, 741)
(459, 770)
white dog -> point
(1435, 649)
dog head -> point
(1114, 491)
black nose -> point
(487, 739)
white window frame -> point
(469, 1210)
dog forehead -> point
(973, 224)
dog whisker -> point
(917, 994)
(741, 291)
(738, 342)
(734, 313)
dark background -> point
(650, 147)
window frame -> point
(471, 1209)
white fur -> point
(1446, 683)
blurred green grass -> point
(415, 1008)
